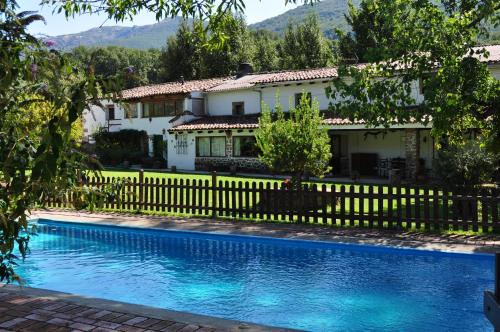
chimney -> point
(244, 69)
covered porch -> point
(393, 154)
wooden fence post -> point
(141, 189)
(214, 195)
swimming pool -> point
(298, 284)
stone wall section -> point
(225, 164)
(412, 150)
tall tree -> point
(370, 30)
(187, 54)
(224, 60)
(182, 55)
(433, 43)
(265, 52)
(304, 46)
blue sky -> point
(256, 10)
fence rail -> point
(366, 206)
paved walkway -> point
(31, 309)
(456, 243)
(36, 313)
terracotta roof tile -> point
(251, 80)
(171, 88)
(247, 122)
(219, 123)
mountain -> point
(330, 13)
(143, 37)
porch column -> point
(412, 150)
(229, 144)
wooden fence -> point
(365, 206)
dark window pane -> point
(245, 146)
(238, 108)
(111, 112)
(298, 97)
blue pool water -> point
(298, 284)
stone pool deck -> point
(417, 240)
(34, 310)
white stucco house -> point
(209, 124)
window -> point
(131, 110)
(298, 97)
(162, 109)
(203, 146)
(111, 112)
(211, 146)
(218, 146)
(239, 108)
(182, 144)
(245, 146)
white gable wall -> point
(220, 103)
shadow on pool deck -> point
(393, 238)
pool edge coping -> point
(144, 310)
(329, 244)
(408, 244)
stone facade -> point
(226, 163)
(412, 151)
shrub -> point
(124, 145)
(463, 168)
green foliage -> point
(464, 167)
(90, 197)
(371, 29)
(116, 147)
(39, 160)
(432, 42)
(304, 46)
(131, 67)
(295, 144)
(265, 54)
(187, 54)
(182, 55)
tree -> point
(265, 53)
(187, 53)
(433, 43)
(370, 30)
(224, 60)
(182, 55)
(132, 66)
(295, 144)
(304, 46)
